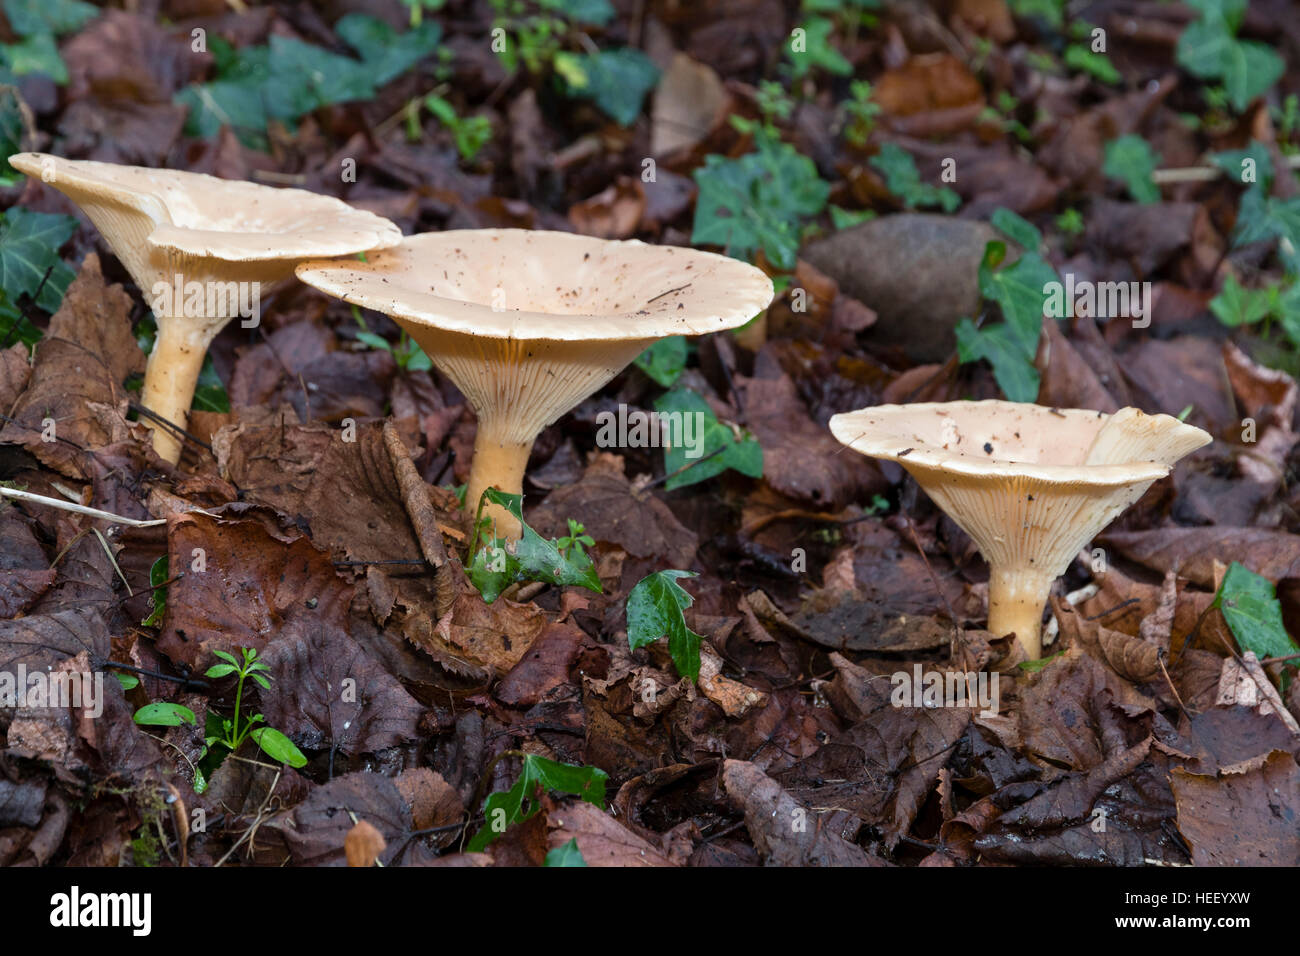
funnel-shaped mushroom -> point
(528, 324)
(1031, 485)
(202, 250)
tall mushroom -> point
(202, 249)
(528, 324)
(1031, 485)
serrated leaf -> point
(519, 803)
(499, 564)
(1254, 614)
(665, 361)
(654, 610)
(710, 448)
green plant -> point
(665, 361)
(501, 563)
(417, 8)
(39, 24)
(225, 735)
(758, 201)
(1210, 49)
(470, 133)
(1020, 291)
(716, 446)
(615, 80)
(1084, 55)
(654, 610)
(1254, 614)
(1237, 306)
(903, 180)
(810, 48)
(1070, 223)
(538, 775)
(861, 112)
(406, 353)
(1131, 160)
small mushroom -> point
(1031, 485)
(200, 249)
(529, 323)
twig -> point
(36, 499)
(1204, 174)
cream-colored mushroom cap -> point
(528, 324)
(193, 231)
(1031, 485)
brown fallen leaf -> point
(1246, 818)
(363, 844)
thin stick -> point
(1204, 174)
(78, 509)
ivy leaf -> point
(616, 80)
(499, 564)
(1131, 160)
(664, 361)
(158, 575)
(654, 610)
(37, 53)
(209, 393)
(1019, 290)
(818, 51)
(567, 855)
(28, 17)
(902, 179)
(1254, 614)
(1249, 69)
(388, 53)
(712, 447)
(29, 248)
(519, 803)
(1016, 375)
(1260, 217)
(1016, 228)
(1232, 162)
(278, 747)
(758, 201)
(596, 12)
(13, 130)
(164, 714)
(1236, 305)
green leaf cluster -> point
(499, 564)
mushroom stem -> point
(499, 462)
(170, 379)
(1016, 601)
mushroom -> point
(1031, 485)
(529, 323)
(203, 250)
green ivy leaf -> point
(499, 564)
(519, 803)
(1131, 160)
(1097, 65)
(278, 747)
(1016, 228)
(1261, 217)
(1249, 70)
(758, 201)
(818, 52)
(164, 714)
(1015, 374)
(1250, 606)
(715, 446)
(1232, 162)
(13, 130)
(1236, 305)
(902, 179)
(615, 80)
(567, 855)
(388, 53)
(28, 17)
(665, 361)
(29, 247)
(597, 12)
(210, 393)
(654, 610)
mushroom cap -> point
(534, 285)
(997, 439)
(201, 216)
(1031, 485)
